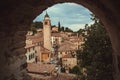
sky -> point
(70, 15)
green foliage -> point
(96, 56)
(68, 29)
(62, 29)
(75, 70)
(80, 31)
(38, 24)
(35, 25)
(59, 26)
(63, 70)
(33, 29)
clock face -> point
(46, 23)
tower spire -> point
(46, 15)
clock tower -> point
(47, 32)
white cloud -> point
(53, 10)
(70, 15)
(76, 27)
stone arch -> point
(16, 17)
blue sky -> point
(70, 15)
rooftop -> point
(66, 46)
(40, 68)
(68, 56)
(37, 40)
(29, 45)
(44, 50)
(56, 34)
(64, 76)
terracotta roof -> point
(29, 45)
(66, 46)
(38, 35)
(44, 50)
(56, 34)
(64, 76)
(29, 36)
(36, 40)
(40, 68)
(67, 56)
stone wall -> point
(12, 58)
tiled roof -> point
(29, 45)
(40, 68)
(64, 76)
(38, 35)
(66, 46)
(56, 34)
(37, 40)
(67, 56)
(44, 50)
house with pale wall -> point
(56, 39)
(67, 53)
(34, 47)
(30, 54)
(69, 61)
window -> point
(33, 48)
(33, 55)
(28, 49)
(29, 57)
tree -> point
(33, 29)
(75, 70)
(80, 31)
(38, 24)
(62, 69)
(96, 56)
(86, 26)
(62, 29)
(68, 29)
(59, 26)
(35, 25)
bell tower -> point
(47, 32)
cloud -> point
(76, 27)
(69, 14)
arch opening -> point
(46, 23)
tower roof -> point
(46, 15)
